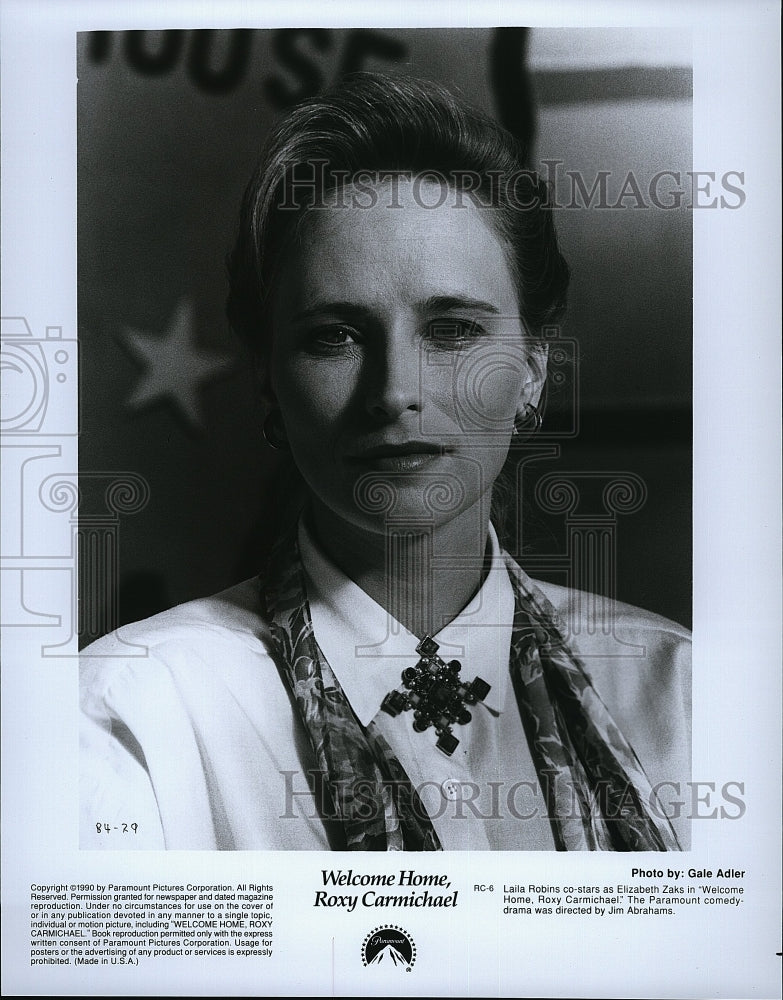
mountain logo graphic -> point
(390, 947)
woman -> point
(393, 680)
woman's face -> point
(399, 361)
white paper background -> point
(473, 950)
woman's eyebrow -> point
(450, 303)
(433, 304)
(341, 308)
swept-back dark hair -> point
(374, 124)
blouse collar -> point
(367, 648)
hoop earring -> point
(530, 424)
(273, 431)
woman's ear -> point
(538, 355)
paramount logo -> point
(391, 947)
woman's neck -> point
(423, 576)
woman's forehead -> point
(409, 240)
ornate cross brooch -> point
(436, 694)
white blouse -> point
(191, 733)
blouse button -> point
(451, 789)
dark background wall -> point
(170, 124)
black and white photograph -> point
(413, 425)
(379, 456)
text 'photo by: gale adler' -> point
(415, 410)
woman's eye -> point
(453, 332)
(333, 336)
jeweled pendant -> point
(436, 694)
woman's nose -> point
(394, 381)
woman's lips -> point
(407, 456)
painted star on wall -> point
(176, 367)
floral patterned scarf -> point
(598, 796)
